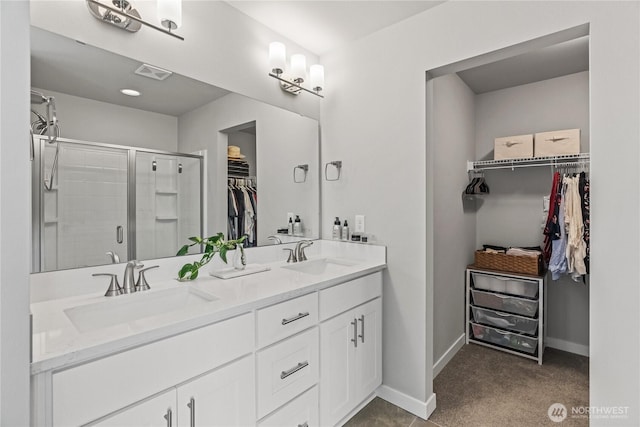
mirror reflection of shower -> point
(46, 124)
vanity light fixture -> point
(292, 80)
(122, 14)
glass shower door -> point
(84, 215)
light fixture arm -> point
(133, 18)
(293, 83)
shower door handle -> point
(119, 234)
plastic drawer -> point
(511, 322)
(516, 305)
(511, 340)
(509, 285)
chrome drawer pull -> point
(293, 370)
(362, 320)
(168, 417)
(304, 424)
(192, 412)
(294, 318)
(354, 340)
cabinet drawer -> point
(506, 339)
(525, 307)
(510, 285)
(302, 411)
(92, 390)
(511, 322)
(285, 319)
(287, 369)
(340, 298)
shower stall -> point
(111, 203)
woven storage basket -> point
(510, 263)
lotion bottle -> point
(345, 231)
(335, 234)
(297, 226)
(290, 227)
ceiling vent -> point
(152, 72)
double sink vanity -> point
(298, 344)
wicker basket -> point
(510, 263)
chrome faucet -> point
(129, 283)
(300, 249)
(115, 259)
(276, 239)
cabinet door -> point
(156, 412)
(224, 397)
(368, 360)
(337, 353)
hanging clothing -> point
(242, 211)
(558, 261)
(575, 248)
(552, 229)
(567, 228)
(586, 206)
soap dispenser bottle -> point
(345, 231)
(335, 234)
(290, 227)
(297, 226)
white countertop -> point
(58, 344)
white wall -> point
(454, 220)
(222, 46)
(511, 214)
(95, 121)
(14, 214)
(374, 120)
(283, 140)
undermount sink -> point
(128, 308)
(321, 266)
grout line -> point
(413, 421)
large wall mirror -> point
(132, 177)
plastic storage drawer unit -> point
(506, 339)
(509, 285)
(511, 322)
(525, 307)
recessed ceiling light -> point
(130, 92)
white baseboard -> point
(571, 347)
(448, 355)
(408, 403)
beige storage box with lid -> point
(557, 143)
(513, 147)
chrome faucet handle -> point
(141, 284)
(292, 255)
(114, 287)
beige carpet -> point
(485, 387)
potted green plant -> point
(212, 245)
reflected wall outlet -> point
(359, 224)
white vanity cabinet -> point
(351, 346)
(159, 411)
(113, 385)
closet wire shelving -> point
(577, 160)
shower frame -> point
(37, 187)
